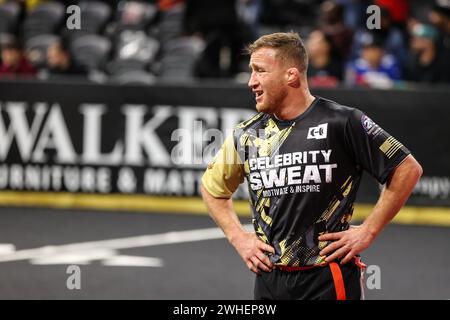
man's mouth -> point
(258, 95)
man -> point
(439, 17)
(324, 69)
(427, 61)
(218, 25)
(13, 62)
(393, 39)
(374, 67)
(303, 157)
(60, 62)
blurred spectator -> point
(332, 23)
(165, 5)
(248, 14)
(392, 37)
(217, 23)
(439, 17)
(355, 12)
(31, 4)
(225, 26)
(133, 13)
(324, 69)
(59, 61)
(427, 62)
(398, 9)
(13, 60)
(374, 68)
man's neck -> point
(296, 107)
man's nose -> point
(252, 82)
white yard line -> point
(46, 253)
(6, 248)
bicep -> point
(405, 174)
(225, 173)
(214, 201)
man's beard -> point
(271, 104)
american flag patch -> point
(390, 147)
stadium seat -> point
(120, 66)
(90, 51)
(6, 38)
(136, 45)
(94, 17)
(134, 50)
(9, 13)
(171, 24)
(180, 57)
(44, 19)
(36, 48)
(135, 77)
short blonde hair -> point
(289, 45)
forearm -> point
(222, 212)
(393, 196)
(250, 248)
(347, 244)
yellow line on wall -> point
(189, 205)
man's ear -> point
(293, 77)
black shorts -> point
(313, 284)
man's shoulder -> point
(337, 109)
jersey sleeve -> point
(225, 173)
(373, 148)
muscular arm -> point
(347, 244)
(250, 248)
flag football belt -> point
(335, 272)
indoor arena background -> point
(111, 110)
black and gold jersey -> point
(303, 174)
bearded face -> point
(267, 80)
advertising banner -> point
(102, 139)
